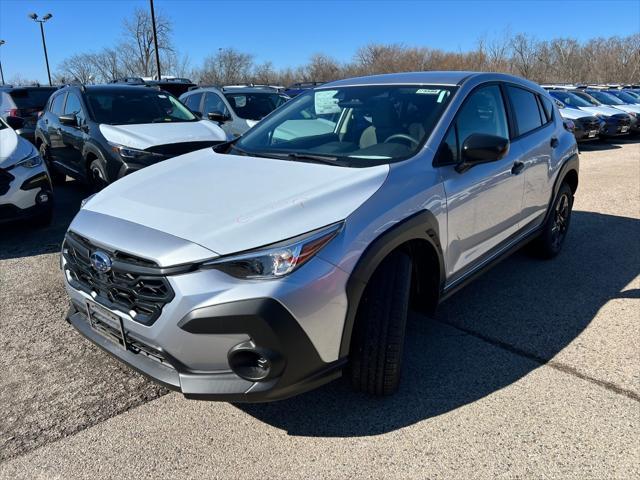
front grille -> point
(622, 119)
(133, 285)
(5, 181)
(589, 123)
(175, 149)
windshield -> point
(254, 106)
(570, 99)
(606, 98)
(625, 97)
(132, 105)
(26, 98)
(351, 126)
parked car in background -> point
(277, 264)
(301, 87)
(25, 186)
(599, 97)
(634, 94)
(584, 127)
(176, 86)
(26, 103)
(616, 122)
(236, 109)
(627, 97)
(102, 133)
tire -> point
(549, 242)
(97, 176)
(379, 331)
(57, 178)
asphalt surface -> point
(533, 371)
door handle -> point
(517, 168)
(554, 142)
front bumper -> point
(24, 193)
(268, 324)
(297, 320)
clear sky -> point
(288, 32)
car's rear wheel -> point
(549, 243)
(58, 178)
(97, 176)
(379, 330)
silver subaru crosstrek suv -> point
(274, 263)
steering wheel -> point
(402, 136)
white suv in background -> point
(236, 109)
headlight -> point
(601, 116)
(279, 260)
(129, 153)
(633, 114)
(32, 161)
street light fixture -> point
(2, 42)
(34, 17)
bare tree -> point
(226, 67)
(80, 68)
(138, 48)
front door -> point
(484, 202)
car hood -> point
(573, 113)
(150, 134)
(229, 203)
(602, 110)
(629, 108)
(12, 147)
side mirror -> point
(69, 120)
(218, 117)
(481, 148)
(15, 122)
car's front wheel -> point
(97, 176)
(379, 330)
(549, 243)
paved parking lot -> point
(533, 371)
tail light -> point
(13, 112)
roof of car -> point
(434, 78)
(110, 87)
(235, 89)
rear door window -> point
(73, 106)
(526, 109)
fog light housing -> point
(254, 363)
(43, 197)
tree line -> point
(561, 60)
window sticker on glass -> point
(443, 95)
(326, 103)
(428, 91)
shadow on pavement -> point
(21, 240)
(534, 306)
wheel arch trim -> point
(419, 226)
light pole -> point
(2, 42)
(155, 39)
(41, 21)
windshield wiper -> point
(325, 159)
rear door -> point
(484, 202)
(536, 140)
